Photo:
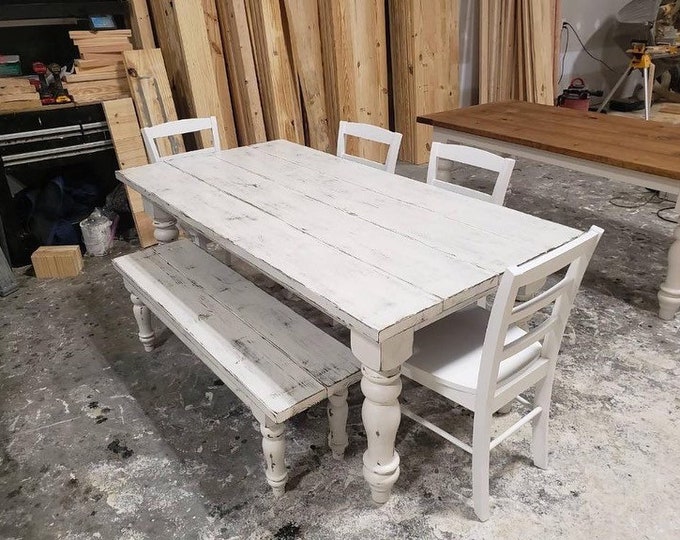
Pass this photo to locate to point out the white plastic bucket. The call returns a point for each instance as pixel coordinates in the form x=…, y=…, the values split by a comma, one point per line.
x=96, y=229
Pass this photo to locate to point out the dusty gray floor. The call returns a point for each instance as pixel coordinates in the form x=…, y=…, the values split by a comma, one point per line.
x=100, y=440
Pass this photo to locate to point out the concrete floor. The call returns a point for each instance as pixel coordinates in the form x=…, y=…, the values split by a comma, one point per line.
x=100, y=440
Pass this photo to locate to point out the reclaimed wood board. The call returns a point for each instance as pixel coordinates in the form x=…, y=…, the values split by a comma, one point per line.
x=218, y=62
x=276, y=79
x=305, y=37
x=424, y=45
x=140, y=20
x=245, y=95
x=129, y=148
x=354, y=50
x=151, y=94
x=183, y=38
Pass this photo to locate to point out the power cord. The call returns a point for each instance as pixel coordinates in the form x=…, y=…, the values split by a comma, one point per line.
x=568, y=26
x=564, y=54
x=660, y=212
x=630, y=202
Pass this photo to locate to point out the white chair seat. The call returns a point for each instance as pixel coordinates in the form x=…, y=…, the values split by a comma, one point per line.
x=449, y=352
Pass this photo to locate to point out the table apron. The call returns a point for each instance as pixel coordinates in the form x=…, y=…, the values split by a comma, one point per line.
x=619, y=174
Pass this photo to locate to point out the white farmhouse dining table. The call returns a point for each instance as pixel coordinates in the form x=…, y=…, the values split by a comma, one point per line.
x=382, y=254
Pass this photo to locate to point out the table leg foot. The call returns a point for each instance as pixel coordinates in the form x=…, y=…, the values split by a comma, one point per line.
x=381, y=415
x=669, y=292
x=165, y=226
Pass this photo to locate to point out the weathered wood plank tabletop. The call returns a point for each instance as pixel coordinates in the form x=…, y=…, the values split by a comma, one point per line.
x=383, y=254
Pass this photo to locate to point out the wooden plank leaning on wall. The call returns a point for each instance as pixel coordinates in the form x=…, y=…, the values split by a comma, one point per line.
x=240, y=58
x=302, y=17
x=151, y=94
x=183, y=37
x=277, y=82
x=355, y=67
x=424, y=45
x=140, y=20
x=129, y=148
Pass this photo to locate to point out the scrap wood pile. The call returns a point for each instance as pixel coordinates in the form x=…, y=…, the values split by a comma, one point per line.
x=293, y=69
x=518, y=50
x=100, y=74
x=17, y=93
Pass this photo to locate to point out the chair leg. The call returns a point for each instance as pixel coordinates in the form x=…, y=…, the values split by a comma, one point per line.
x=539, y=439
x=143, y=316
x=337, y=422
x=274, y=449
x=481, y=448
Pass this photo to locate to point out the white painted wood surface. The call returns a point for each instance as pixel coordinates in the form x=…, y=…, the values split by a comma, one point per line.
x=378, y=252
x=371, y=133
x=277, y=362
x=179, y=127
x=474, y=157
x=483, y=361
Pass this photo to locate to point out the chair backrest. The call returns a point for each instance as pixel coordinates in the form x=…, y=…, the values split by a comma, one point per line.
x=475, y=158
x=371, y=133
x=179, y=127
x=558, y=299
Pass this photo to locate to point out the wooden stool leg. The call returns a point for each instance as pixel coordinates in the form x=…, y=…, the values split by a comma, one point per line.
x=274, y=447
x=337, y=422
x=143, y=316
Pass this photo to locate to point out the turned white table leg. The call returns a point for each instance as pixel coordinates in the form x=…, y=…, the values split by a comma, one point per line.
x=669, y=292
x=337, y=422
x=165, y=226
x=143, y=317
x=381, y=415
x=274, y=449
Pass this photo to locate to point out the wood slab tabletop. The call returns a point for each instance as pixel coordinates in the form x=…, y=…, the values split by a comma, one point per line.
x=629, y=143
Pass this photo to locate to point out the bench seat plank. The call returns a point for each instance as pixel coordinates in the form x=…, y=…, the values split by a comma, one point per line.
x=275, y=360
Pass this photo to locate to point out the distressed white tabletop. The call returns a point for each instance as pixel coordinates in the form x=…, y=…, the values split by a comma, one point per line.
x=379, y=252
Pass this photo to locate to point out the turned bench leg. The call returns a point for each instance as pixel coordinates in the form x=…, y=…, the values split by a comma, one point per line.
x=143, y=316
x=337, y=422
x=274, y=449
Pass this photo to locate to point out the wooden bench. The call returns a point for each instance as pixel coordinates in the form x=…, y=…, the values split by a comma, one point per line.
x=274, y=360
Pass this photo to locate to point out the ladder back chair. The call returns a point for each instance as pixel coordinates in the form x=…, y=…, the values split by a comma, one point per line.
x=475, y=158
x=370, y=133
x=179, y=127
x=483, y=361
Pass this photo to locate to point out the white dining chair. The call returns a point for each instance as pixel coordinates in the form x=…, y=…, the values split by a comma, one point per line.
x=179, y=127
x=175, y=128
x=370, y=133
x=482, y=360
x=475, y=158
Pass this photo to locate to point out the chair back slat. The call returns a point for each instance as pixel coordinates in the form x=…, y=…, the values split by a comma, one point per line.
x=179, y=127
x=557, y=300
x=473, y=157
x=527, y=309
x=370, y=133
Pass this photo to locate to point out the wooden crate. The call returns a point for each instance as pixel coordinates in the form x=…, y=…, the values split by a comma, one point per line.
x=57, y=261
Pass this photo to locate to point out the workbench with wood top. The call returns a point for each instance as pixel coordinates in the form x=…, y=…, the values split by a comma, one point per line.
x=628, y=150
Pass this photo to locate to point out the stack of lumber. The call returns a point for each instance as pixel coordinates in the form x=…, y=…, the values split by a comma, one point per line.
x=100, y=73
x=518, y=50
x=17, y=93
x=293, y=69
